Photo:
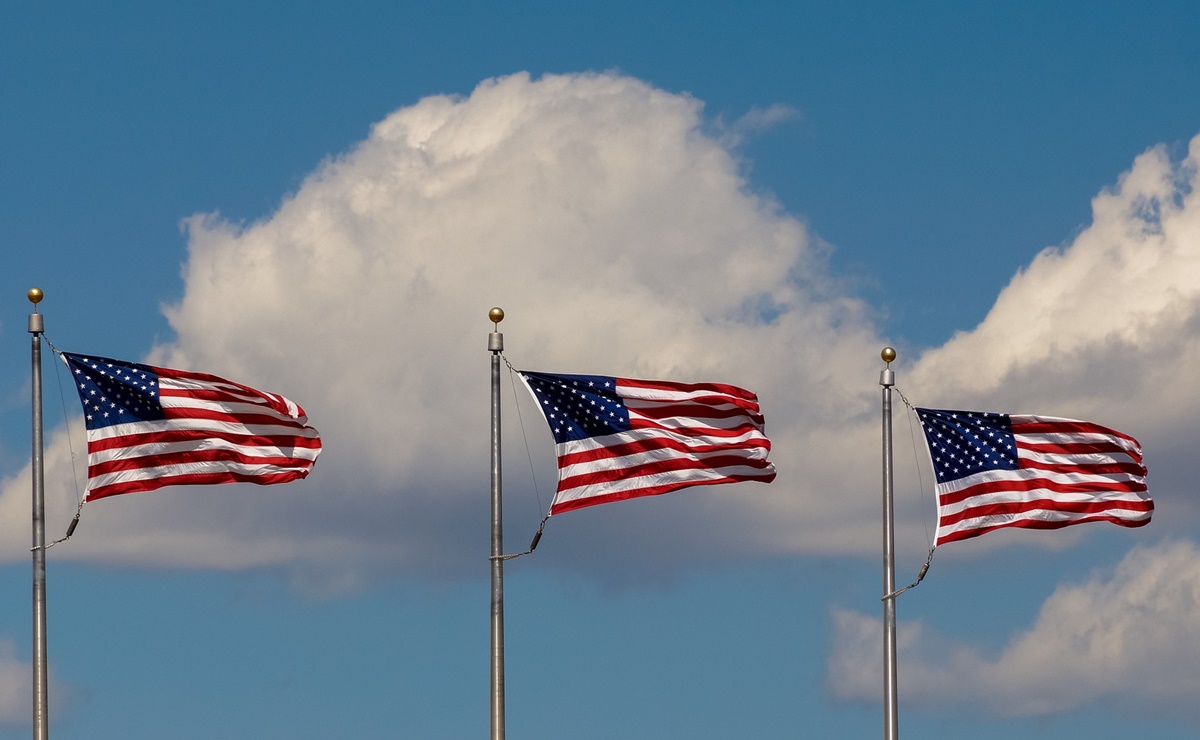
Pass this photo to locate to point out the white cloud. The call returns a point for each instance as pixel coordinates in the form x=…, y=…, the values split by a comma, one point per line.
x=620, y=238
x=1117, y=309
x=15, y=686
x=1128, y=638
x=755, y=121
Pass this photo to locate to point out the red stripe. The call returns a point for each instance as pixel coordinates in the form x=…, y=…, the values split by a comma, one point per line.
x=715, y=462
x=660, y=385
x=706, y=407
x=691, y=411
x=199, y=436
x=1050, y=506
x=1038, y=524
x=1064, y=426
x=169, y=372
x=580, y=503
x=245, y=418
x=197, y=479
x=1039, y=484
x=682, y=431
x=191, y=456
x=213, y=395
x=270, y=399
x=1105, y=468
x=1079, y=448
x=658, y=443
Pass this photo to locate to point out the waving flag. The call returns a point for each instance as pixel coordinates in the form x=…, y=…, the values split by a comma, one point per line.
x=149, y=427
x=618, y=438
x=1039, y=472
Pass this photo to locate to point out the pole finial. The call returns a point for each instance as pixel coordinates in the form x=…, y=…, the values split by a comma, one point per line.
x=37, y=324
x=496, y=339
x=887, y=377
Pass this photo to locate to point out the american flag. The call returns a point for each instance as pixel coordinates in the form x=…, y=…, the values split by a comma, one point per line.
x=618, y=438
x=1038, y=472
x=149, y=427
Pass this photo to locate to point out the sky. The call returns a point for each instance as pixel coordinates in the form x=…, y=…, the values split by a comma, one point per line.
x=325, y=200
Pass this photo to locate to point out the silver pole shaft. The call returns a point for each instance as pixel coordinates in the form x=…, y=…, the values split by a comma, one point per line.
x=496, y=345
x=891, y=730
x=41, y=716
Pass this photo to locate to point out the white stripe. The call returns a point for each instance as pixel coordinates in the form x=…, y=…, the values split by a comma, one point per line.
x=252, y=401
x=701, y=409
x=294, y=410
x=1011, y=476
x=634, y=435
x=204, y=425
x=1079, y=458
x=657, y=479
x=165, y=448
x=1009, y=497
x=635, y=393
x=194, y=468
x=1067, y=438
x=196, y=384
x=1045, y=515
x=227, y=407
x=648, y=456
x=694, y=422
x=715, y=401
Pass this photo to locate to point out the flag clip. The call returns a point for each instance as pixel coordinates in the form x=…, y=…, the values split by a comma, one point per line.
x=920, y=577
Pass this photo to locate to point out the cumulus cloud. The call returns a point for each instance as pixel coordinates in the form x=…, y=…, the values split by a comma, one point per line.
x=1128, y=638
x=15, y=686
x=621, y=238
x=1118, y=307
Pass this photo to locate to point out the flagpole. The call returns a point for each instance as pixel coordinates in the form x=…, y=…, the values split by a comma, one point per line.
x=496, y=346
x=891, y=730
x=41, y=718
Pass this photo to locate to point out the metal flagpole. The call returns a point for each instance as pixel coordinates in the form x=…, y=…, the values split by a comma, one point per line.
x=891, y=731
x=496, y=346
x=41, y=718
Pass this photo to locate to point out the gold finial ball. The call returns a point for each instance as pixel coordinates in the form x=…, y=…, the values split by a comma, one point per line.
x=34, y=295
x=496, y=315
x=888, y=355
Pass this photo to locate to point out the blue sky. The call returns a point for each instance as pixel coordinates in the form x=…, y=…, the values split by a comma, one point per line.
x=324, y=201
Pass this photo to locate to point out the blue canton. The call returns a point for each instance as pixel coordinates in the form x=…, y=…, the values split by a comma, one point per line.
x=114, y=392
x=963, y=443
x=579, y=406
